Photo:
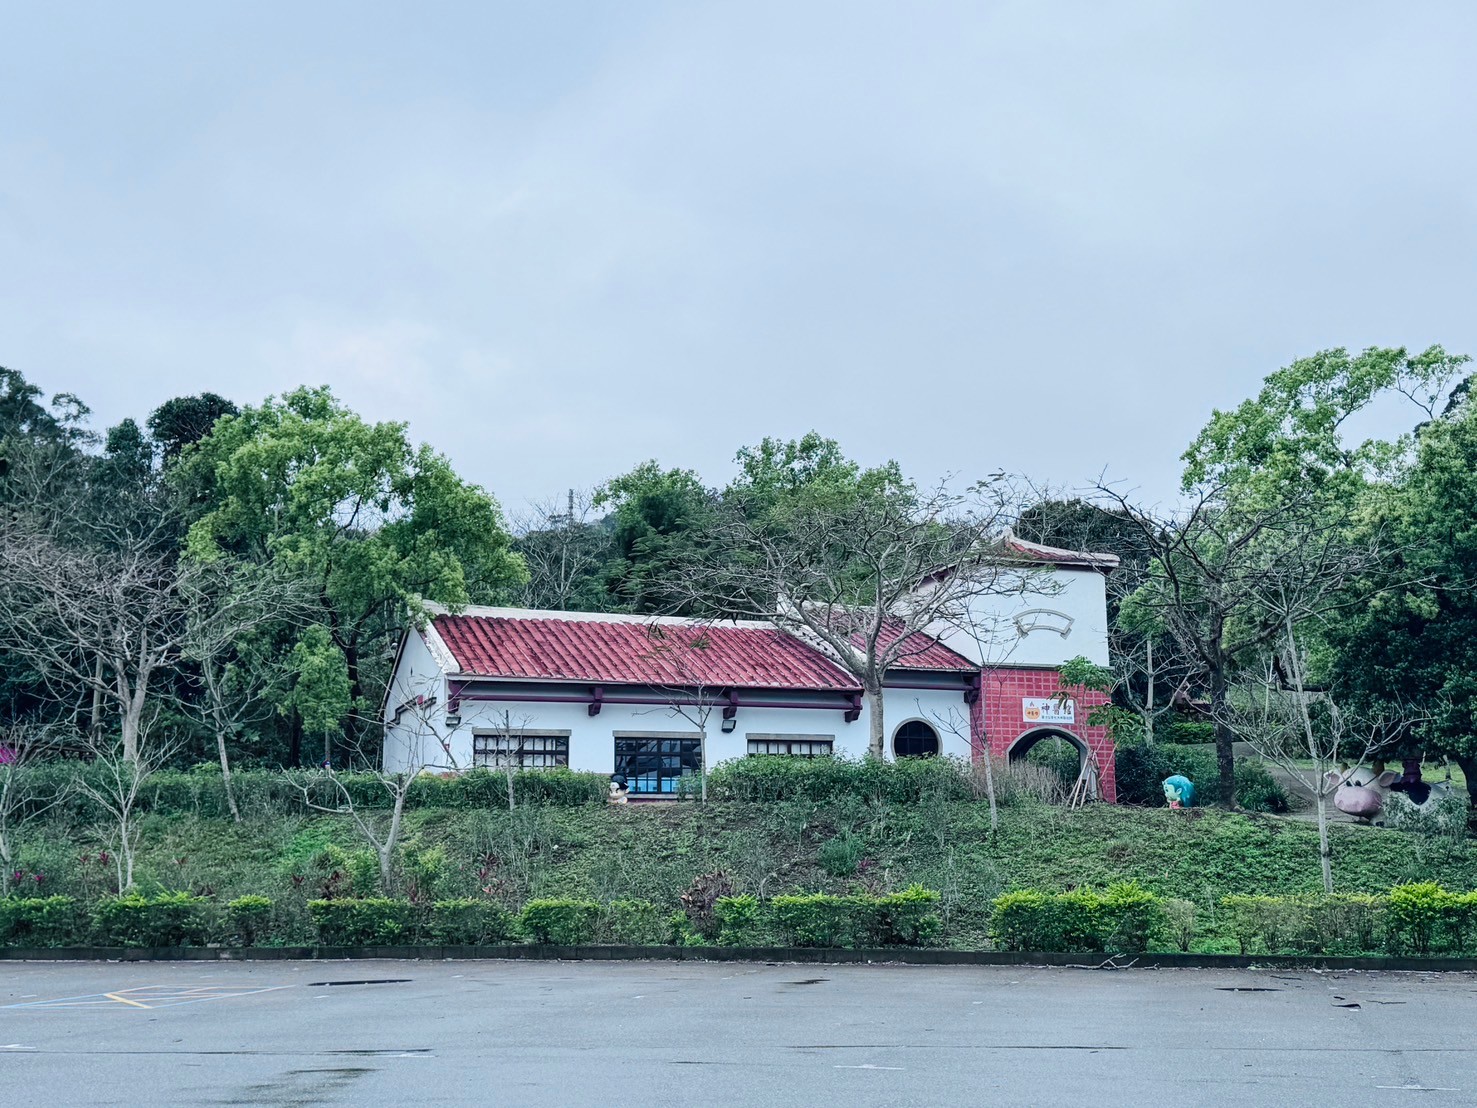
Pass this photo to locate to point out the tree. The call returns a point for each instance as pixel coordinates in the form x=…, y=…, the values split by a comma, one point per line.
x=688, y=694
x=105, y=621
x=567, y=552
x=1216, y=565
x=22, y=746
x=1409, y=633
x=663, y=521
x=865, y=577
x=322, y=692
x=229, y=607
x=186, y=420
x=375, y=524
x=115, y=783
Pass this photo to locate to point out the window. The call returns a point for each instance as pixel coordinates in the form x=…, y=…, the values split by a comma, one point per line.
x=796, y=746
x=915, y=739
x=653, y=764
x=520, y=749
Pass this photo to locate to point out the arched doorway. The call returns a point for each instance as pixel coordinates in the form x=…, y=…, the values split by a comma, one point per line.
x=915, y=739
x=1024, y=744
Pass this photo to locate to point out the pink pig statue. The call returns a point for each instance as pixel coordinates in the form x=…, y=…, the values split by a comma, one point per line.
x=1361, y=791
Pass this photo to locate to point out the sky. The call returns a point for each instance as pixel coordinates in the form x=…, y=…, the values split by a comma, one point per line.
x=558, y=239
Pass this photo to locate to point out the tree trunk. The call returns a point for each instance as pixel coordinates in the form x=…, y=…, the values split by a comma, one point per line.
x=95, y=724
x=1468, y=765
x=295, y=741
x=220, y=747
x=1325, y=857
x=1225, y=756
x=133, y=715
x=990, y=790
x=877, y=741
x=1149, y=694
x=392, y=839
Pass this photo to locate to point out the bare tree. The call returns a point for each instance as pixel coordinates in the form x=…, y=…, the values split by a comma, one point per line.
x=1276, y=717
x=1224, y=573
x=226, y=605
x=22, y=746
x=564, y=547
x=864, y=577
x=108, y=621
x=689, y=695
x=512, y=732
x=115, y=782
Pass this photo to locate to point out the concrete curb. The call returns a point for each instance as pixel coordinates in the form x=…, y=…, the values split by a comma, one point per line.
x=902, y=955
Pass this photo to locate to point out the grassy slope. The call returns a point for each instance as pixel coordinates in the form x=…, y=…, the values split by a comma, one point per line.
x=654, y=852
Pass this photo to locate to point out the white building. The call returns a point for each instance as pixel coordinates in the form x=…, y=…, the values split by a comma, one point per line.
x=633, y=696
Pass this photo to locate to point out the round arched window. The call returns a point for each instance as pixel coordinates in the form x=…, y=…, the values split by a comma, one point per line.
x=915, y=739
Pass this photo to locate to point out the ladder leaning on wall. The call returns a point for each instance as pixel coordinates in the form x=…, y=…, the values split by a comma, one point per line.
x=1085, y=788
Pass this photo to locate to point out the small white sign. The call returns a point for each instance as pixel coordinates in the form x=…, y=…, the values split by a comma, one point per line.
x=1048, y=709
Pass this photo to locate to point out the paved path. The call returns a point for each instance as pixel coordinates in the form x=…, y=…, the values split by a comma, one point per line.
x=655, y=1034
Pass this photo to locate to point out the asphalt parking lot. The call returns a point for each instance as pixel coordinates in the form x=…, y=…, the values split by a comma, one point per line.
x=542, y=1033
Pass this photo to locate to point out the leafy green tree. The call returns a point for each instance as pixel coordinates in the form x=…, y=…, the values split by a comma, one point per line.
x=663, y=520
x=185, y=420
x=374, y=524
x=322, y=693
x=1409, y=639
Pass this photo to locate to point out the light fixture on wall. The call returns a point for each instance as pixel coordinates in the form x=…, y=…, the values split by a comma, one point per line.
x=729, y=725
x=453, y=719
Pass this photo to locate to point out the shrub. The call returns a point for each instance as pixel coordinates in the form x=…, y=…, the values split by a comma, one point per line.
x=634, y=923
x=560, y=922
x=40, y=921
x=817, y=919
x=1130, y=918
x=740, y=921
x=908, y=918
x=169, y=919
x=841, y=855
x=251, y=917
x=467, y=922
x=1417, y=912
x=1274, y=921
x=1343, y=923
x=371, y=921
x=1179, y=917
x=1018, y=920
x=1186, y=733
x=774, y=778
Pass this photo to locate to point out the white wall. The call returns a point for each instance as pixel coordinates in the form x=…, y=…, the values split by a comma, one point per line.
x=1074, y=599
x=415, y=742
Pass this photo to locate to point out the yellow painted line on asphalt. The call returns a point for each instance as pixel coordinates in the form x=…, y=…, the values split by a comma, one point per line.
x=124, y=1000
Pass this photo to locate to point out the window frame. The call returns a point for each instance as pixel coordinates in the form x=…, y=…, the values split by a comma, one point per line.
x=549, y=748
x=790, y=741
x=938, y=740
x=688, y=754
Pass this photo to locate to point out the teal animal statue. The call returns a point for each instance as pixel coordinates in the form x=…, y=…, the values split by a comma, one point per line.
x=1179, y=791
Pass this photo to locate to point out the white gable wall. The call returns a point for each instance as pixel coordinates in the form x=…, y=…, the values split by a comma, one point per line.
x=1057, y=598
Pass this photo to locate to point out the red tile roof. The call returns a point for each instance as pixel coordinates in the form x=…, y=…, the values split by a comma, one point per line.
x=920, y=651
x=564, y=647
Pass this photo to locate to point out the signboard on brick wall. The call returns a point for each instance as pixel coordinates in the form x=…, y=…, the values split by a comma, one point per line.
x=1048, y=709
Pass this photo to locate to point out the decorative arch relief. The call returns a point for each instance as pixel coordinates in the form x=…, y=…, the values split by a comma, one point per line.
x=1043, y=619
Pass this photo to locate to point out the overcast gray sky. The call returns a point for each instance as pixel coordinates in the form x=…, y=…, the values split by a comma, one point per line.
x=561, y=238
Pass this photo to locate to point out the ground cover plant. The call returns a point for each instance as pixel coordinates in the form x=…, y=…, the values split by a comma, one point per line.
x=731, y=869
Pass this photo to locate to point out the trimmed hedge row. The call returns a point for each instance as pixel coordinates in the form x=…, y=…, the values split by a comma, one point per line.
x=776, y=777
x=1419, y=918
x=178, y=919
x=201, y=792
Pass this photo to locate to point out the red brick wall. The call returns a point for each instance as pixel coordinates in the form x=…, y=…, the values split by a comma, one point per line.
x=998, y=719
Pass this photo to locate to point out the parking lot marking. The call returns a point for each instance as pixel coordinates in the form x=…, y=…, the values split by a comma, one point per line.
x=151, y=996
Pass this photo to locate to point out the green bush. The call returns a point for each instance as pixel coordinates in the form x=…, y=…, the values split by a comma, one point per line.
x=1179, y=917
x=371, y=921
x=908, y=918
x=740, y=921
x=1417, y=913
x=841, y=855
x=169, y=919
x=1186, y=733
x=468, y=922
x=1141, y=771
x=560, y=922
x=768, y=778
x=818, y=919
x=634, y=923
x=1124, y=918
x=40, y=921
x=251, y=917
